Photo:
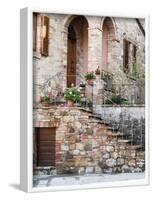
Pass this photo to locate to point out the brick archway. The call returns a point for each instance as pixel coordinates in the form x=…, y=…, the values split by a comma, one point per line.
x=108, y=37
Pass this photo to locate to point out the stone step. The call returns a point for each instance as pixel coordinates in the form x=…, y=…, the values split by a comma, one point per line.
x=140, y=153
x=95, y=121
x=113, y=128
x=124, y=141
x=86, y=110
x=94, y=116
x=133, y=147
x=115, y=134
x=104, y=131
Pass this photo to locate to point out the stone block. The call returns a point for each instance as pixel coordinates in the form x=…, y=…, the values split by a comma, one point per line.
x=71, y=138
x=76, y=152
x=114, y=155
x=95, y=143
x=109, y=148
x=98, y=170
x=106, y=155
x=125, y=169
x=67, y=119
x=72, y=146
x=80, y=162
x=81, y=171
x=140, y=163
x=77, y=125
x=89, y=170
x=82, y=153
x=108, y=170
x=117, y=170
x=132, y=163
x=137, y=170
x=64, y=147
x=120, y=161
x=111, y=162
x=79, y=146
x=89, y=131
x=88, y=147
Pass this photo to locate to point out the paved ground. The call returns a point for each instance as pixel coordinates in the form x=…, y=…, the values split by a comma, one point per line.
x=47, y=180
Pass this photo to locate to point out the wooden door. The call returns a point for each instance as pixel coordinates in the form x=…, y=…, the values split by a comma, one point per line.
x=46, y=147
x=71, y=61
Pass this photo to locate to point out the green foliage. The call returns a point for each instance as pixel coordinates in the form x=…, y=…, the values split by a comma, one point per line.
x=72, y=94
x=116, y=99
x=46, y=98
x=90, y=76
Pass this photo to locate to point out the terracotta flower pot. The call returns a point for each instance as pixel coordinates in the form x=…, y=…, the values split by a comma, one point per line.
x=70, y=103
x=90, y=82
x=45, y=104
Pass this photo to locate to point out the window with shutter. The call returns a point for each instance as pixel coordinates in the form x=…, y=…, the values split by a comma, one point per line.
x=44, y=41
x=129, y=55
x=126, y=56
x=35, y=31
x=134, y=49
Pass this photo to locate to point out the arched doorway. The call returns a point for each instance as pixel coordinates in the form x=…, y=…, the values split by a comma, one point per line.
x=71, y=58
x=77, y=50
x=108, y=35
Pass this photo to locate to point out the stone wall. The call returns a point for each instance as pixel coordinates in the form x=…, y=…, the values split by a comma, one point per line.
x=114, y=112
x=85, y=145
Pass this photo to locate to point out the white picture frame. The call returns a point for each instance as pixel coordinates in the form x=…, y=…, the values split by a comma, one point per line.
x=26, y=107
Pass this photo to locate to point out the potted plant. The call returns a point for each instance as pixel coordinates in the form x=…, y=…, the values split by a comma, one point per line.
x=90, y=76
x=45, y=100
x=97, y=71
x=72, y=95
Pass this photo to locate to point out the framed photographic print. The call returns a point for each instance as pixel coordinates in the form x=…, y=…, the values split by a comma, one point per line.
x=84, y=105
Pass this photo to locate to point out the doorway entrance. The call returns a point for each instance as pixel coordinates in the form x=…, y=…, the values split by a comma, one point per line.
x=77, y=50
x=45, y=146
x=71, y=62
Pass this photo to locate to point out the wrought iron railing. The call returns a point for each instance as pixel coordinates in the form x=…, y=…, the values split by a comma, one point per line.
x=111, y=93
x=131, y=129
x=125, y=94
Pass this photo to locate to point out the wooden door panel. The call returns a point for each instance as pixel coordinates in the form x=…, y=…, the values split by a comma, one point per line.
x=71, y=70
x=47, y=143
x=46, y=147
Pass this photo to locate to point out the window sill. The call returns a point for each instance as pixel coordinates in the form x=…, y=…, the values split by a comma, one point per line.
x=36, y=55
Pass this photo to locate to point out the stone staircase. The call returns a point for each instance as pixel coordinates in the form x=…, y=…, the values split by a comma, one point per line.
x=115, y=153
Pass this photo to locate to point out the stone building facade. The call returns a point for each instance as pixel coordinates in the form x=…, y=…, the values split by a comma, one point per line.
x=67, y=46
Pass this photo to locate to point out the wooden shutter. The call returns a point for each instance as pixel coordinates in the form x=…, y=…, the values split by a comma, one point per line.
x=125, y=55
x=134, y=50
x=46, y=147
x=45, y=28
x=35, y=31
